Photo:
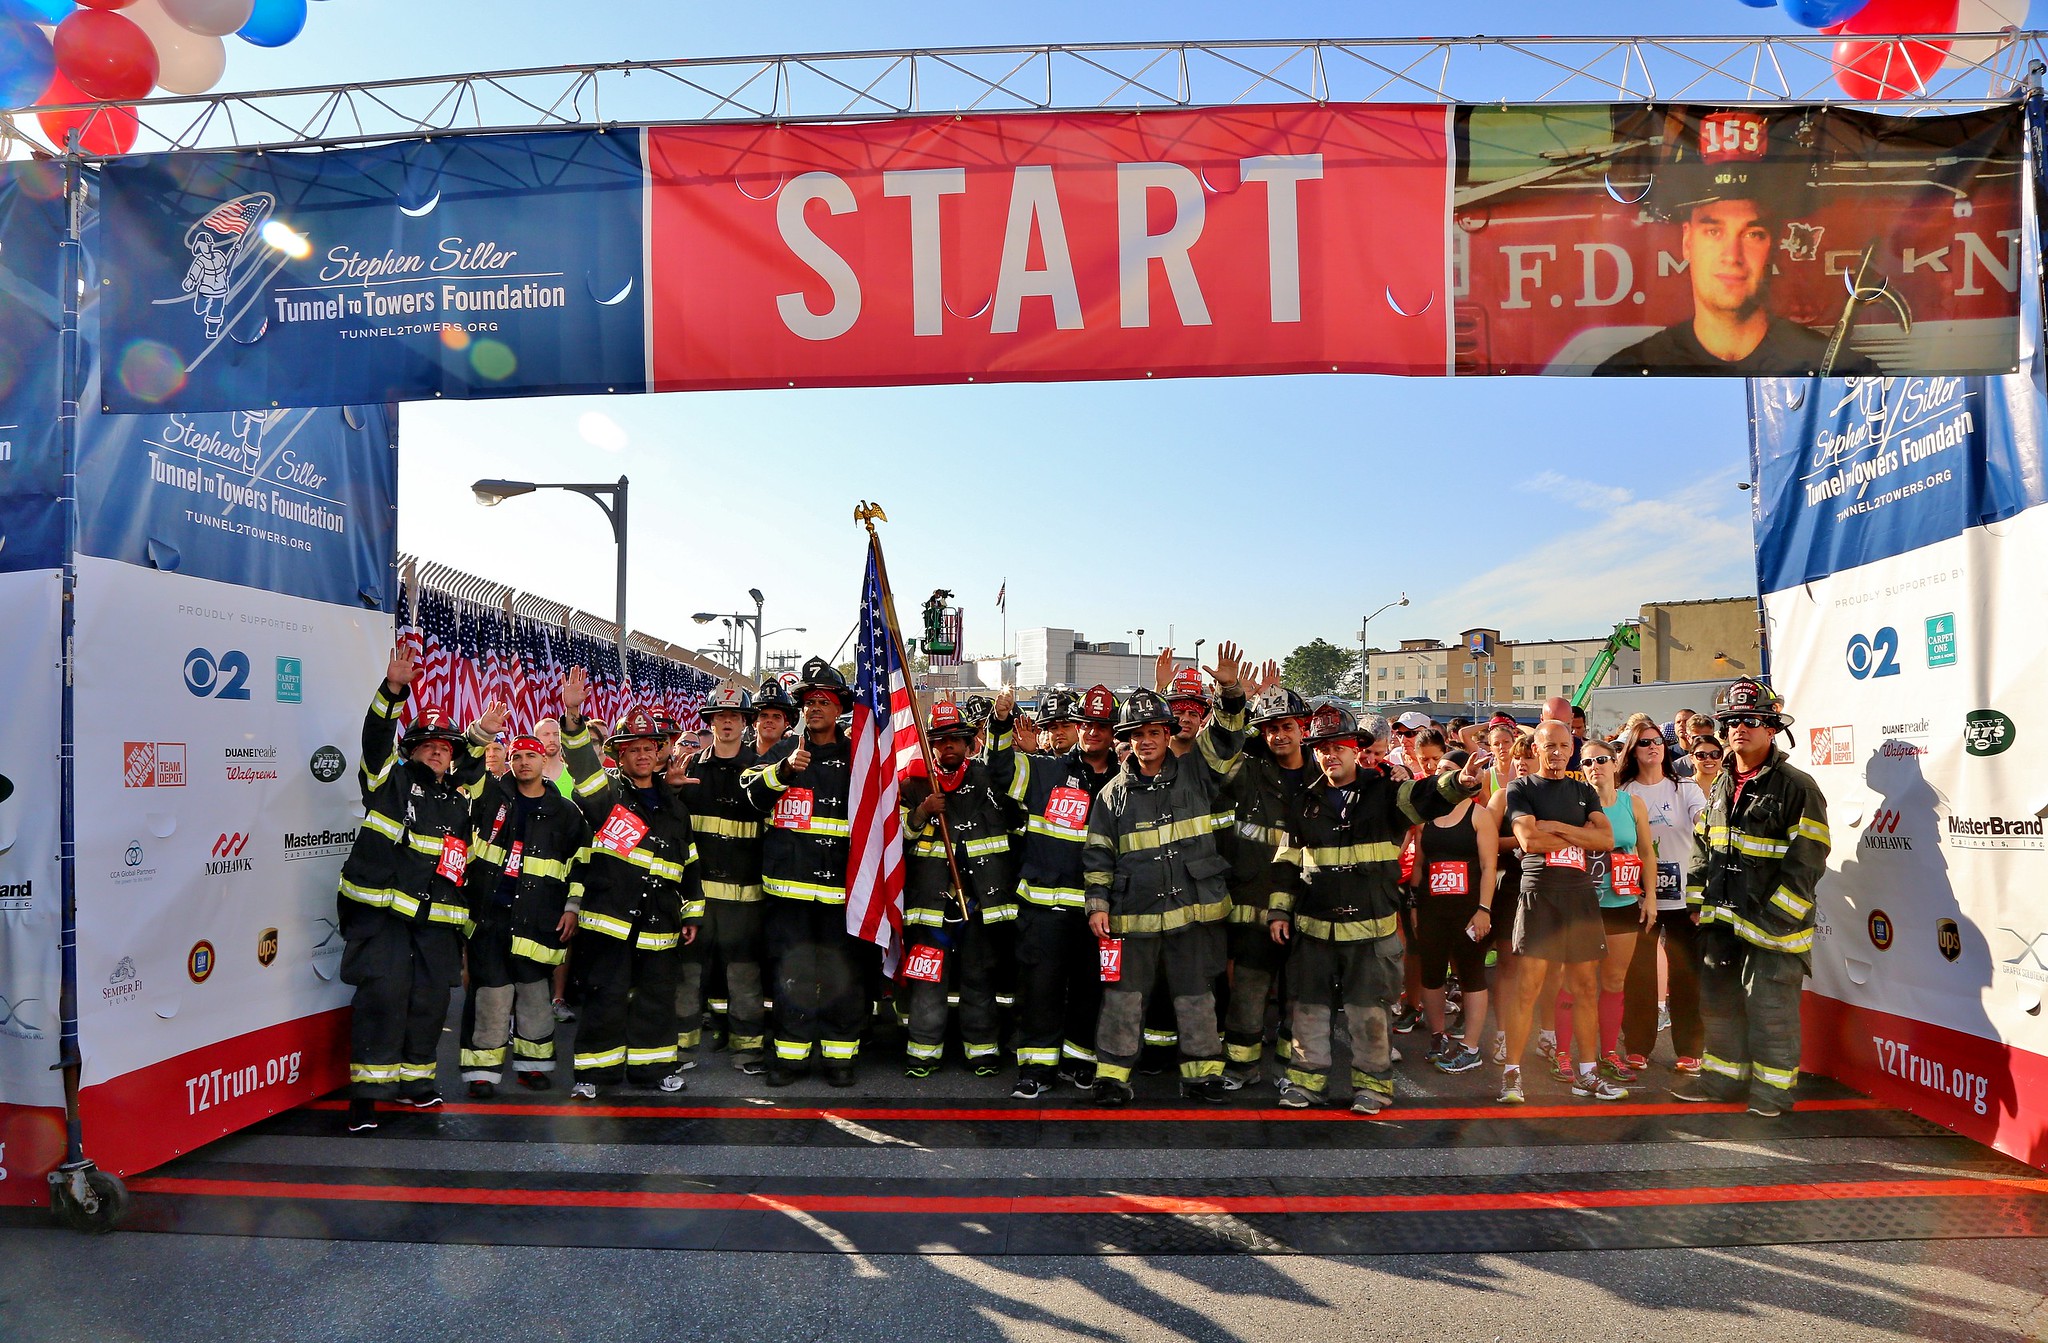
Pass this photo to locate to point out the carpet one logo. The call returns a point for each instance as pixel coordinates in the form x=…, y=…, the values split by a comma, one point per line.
x=1832, y=745
x=1988, y=732
x=317, y=844
x=249, y=764
x=153, y=764
x=228, y=858
x=1882, y=834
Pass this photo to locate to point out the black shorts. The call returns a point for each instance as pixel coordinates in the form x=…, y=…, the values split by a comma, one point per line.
x=1441, y=942
x=1621, y=918
x=1550, y=926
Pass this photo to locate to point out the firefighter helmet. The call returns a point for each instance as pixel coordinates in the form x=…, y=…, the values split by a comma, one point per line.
x=431, y=725
x=637, y=725
x=820, y=675
x=1186, y=686
x=1098, y=706
x=1334, y=722
x=727, y=698
x=1141, y=708
x=948, y=721
x=1738, y=154
x=775, y=695
x=1057, y=706
x=1277, y=702
x=978, y=709
x=1749, y=696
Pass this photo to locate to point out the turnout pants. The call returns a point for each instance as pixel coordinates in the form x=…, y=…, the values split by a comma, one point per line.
x=628, y=1027
x=819, y=995
x=1188, y=960
x=1059, y=989
x=508, y=1010
x=1366, y=977
x=969, y=974
x=1749, y=1002
x=402, y=972
x=1257, y=963
x=1681, y=941
x=730, y=938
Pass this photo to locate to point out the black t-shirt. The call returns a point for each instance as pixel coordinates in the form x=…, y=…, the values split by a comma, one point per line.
x=1787, y=347
x=1564, y=800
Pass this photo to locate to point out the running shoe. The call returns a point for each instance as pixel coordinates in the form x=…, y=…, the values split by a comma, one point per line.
x=987, y=1066
x=1767, y=1107
x=1405, y=1019
x=1210, y=1089
x=426, y=1100
x=1500, y=1046
x=535, y=1081
x=674, y=1082
x=1510, y=1087
x=750, y=1062
x=684, y=1063
x=1615, y=1069
x=1029, y=1089
x=1663, y=1017
x=1462, y=1059
x=583, y=1091
x=1546, y=1044
x=1109, y=1092
x=1076, y=1073
x=1687, y=1064
x=1294, y=1096
x=362, y=1116
x=1240, y=1076
x=1699, y=1093
x=920, y=1069
x=1366, y=1101
x=1593, y=1086
x=480, y=1090
x=1439, y=1045
x=1636, y=1062
x=1561, y=1066
x=564, y=1012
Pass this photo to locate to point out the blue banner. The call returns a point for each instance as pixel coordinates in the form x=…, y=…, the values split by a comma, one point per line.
x=462, y=267
x=31, y=465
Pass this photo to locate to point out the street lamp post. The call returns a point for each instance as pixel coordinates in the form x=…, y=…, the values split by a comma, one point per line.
x=740, y=620
x=1363, y=627
x=491, y=493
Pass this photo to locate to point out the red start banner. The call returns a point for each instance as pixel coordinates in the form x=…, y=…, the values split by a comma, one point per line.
x=1108, y=245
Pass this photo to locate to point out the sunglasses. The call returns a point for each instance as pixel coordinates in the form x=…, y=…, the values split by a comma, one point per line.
x=1746, y=720
x=1404, y=731
x=1648, y=743
x=1596, y=760
x=1706, y=755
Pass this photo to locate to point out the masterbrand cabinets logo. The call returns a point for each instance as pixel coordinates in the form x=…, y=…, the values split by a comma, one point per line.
x=249, y=764
x=17, y=896
x=152, y=764
x=1994, y=832
x=227, y=856
x=1833, y=745
x=317, y=844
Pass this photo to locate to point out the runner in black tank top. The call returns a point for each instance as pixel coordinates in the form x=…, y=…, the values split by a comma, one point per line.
x=1452, y=878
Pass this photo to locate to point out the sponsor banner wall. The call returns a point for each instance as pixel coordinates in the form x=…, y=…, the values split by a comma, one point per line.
x=1376, y=238
x=218, y=726
x=462, y=267
x=31, y=1095
x=31, y=466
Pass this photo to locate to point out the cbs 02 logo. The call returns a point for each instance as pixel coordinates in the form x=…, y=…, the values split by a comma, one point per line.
x=1874, y=654
x=223, y=677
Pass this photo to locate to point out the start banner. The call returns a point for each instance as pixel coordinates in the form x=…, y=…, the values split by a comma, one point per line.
x=1424, y=240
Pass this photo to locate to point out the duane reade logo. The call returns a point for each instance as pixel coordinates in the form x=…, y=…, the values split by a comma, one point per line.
x=1988, y=732
x=228, y=857
x=329, y=764
x=249, y=764
x=124, y=984
x=317, y=844
x=1994, y=832
x=1904, y=740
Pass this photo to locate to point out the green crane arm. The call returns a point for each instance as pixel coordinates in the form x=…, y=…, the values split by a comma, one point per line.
x=1625, y=635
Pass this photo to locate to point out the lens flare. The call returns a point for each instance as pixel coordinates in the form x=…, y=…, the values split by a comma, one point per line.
x=454, y=337
x=493, y=359
x=151, y=371
x=281, y=236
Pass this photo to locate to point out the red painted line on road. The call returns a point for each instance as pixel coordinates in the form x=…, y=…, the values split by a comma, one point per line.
x=1090, y=1114
x=1108, y=1204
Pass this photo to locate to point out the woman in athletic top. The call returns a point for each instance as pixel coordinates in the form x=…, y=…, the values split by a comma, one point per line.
x=1626, y=907
x=1456, y=875
x=1514, y=754
x=1674, y=806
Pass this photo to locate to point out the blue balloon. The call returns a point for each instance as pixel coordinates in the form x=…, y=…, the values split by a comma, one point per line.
x=26, y=63
x=1820, y=13
x=36, y=11
x=1761, y=4
x=273, y=23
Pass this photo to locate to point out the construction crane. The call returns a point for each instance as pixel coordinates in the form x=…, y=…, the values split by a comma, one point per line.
x=1627, y=634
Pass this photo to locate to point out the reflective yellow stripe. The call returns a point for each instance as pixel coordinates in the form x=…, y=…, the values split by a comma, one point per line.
x=1759, y=846
x=998, y=914
x=384, y=706
x=609, y=1058
x=803, y=890
x=793, y=1051
x=416, y=1072
x=1261, y=834
x=991, y=844
x=440, y=913
x=430, y=845
x=1214, y=912
x=379, y=898
x=375, y=781
x=693, y=909
x=1784, y=899
x=484, y=1058
x=1350, y=930
x=831, y=826
x=384, y=825
x=639, y=1058
x=1038, y=825
x=839, y=1049
x=1045, y=1057
x=1721, y=1067
x=593, y=785
x=1173, y=832
x=528, y=949
x=645, y=861
x=763, y=774
x=731, y=890
x=1054, y=897
x=720, y=825
x=1289, y=854
x=1808, y=828
x=1795, y=944
x=404, y=905
x=604, y=923
x=534, y=1049
x=1782, y=1078
x=1349, y=855
x=920, y=917
x=373, y=1072
x=1020, y=776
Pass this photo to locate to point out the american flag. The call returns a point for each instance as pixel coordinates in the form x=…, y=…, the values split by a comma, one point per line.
x=885, y=741
x=234, y=217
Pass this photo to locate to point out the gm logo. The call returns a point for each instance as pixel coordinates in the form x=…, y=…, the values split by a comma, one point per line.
x=224, y=677
x=1874, y=655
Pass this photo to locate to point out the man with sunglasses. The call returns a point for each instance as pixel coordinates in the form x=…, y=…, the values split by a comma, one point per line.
x=1757, y=855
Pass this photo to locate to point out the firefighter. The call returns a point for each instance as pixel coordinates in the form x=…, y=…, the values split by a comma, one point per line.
x=1156, y=892
x=401, y=904
x=728, y=832
x=803, y=787
x=1059, y=726
x=1264, y=787
x=1758, y=852
x=524, y=839
x=1188, y=702
x=1059, y=979
x=1338, y=900
x=636, y=894
x=957, y=936
x=774, y=715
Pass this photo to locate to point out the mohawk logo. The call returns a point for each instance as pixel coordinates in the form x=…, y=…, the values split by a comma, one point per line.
x=1883, y=833
x=227, y=856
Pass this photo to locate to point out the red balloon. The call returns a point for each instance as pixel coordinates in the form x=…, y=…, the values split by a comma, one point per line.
x=105, y=55
x=106, y=4
x=104, y=130
x=1886, y=70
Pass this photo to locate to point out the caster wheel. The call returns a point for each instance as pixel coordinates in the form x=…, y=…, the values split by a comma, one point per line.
x=100, y=1211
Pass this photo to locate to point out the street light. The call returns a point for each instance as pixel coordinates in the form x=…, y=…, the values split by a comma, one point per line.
x=742, y=618
x=1141, y=640
x=1363, y=626
x=491, y=493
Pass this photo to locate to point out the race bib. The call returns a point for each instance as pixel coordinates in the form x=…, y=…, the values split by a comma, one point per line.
x=793, y=812
x=1409, y=851
x=1574, y=858
x=621, y=832
x=1067, y=808
x=514, y=859
x=927, y=965
x=1667, y=881
x=1112, y=954
x=1625, y=874
x=454, y=858
x=1454, y=878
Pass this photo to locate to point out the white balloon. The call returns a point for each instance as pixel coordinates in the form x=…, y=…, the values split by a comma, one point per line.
x=209, y=18
x=1984, y=16
x=187, y=62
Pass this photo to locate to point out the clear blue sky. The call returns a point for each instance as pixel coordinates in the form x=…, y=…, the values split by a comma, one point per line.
x=1271, y=510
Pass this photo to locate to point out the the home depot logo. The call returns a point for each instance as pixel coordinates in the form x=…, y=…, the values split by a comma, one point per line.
x=153, y=764
x=1833, y=745
x=227, y=856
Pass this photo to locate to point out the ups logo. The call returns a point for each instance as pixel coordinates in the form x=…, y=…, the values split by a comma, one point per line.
x=1949, y=938
x=266, y=946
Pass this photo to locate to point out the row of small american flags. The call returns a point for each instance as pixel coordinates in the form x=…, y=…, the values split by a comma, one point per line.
x=471, y=654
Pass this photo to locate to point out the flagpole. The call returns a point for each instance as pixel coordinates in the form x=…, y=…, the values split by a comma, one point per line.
x=866, y=514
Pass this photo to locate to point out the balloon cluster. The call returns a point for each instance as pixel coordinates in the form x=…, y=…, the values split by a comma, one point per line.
x=54, y=52
x=1871, y=70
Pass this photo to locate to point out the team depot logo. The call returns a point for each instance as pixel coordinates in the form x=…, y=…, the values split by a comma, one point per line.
x=227, y=857
x=1882, y=834
x=153, y=764
x=1832, y=745
x=233, y=257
